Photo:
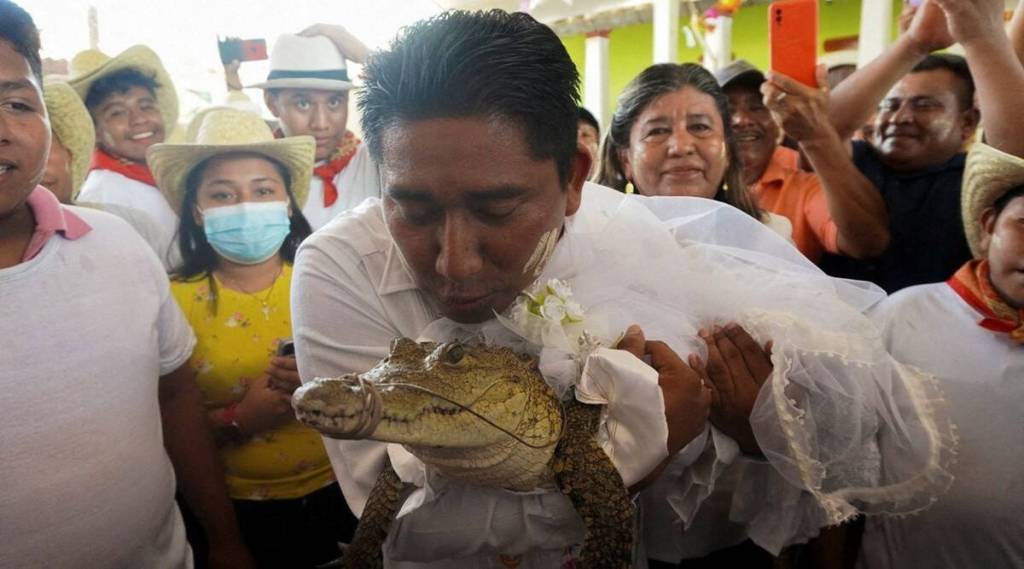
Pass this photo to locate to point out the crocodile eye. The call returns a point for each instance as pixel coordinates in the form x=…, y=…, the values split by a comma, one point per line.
x=454, y=354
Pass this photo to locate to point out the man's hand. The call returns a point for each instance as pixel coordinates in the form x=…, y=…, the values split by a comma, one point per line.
x=687, y=398
x=972, y=20
x=737, y=368
x=349, y=45
x=284, y=374
x=801, y=111
x=263, y=408
x=928, y=30
x=232, y=79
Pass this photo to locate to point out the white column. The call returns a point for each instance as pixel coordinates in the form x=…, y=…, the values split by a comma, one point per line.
x=595, y=76
x=875, y=27
x=718, y=51
x=666, y=31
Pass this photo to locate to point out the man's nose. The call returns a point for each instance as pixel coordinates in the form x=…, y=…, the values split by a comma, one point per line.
x=319, y=119
x=459, y=256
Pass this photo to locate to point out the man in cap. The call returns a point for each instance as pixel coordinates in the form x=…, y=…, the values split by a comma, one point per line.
x=133, y=105
x=835, y=210
x=102, y=417
x=926, y=117
x=969, y=333
x=307, y=90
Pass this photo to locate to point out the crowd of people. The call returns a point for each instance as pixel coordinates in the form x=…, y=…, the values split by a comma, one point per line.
x=804, y=305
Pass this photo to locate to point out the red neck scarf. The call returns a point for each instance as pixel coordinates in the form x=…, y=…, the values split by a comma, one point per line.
x=972, y=283
x=339, y=160
x=131, y=170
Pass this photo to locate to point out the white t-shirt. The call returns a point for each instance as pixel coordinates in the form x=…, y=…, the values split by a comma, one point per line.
x=88, y=327
x=979, y=523
x=358, y=181
x=106, y=186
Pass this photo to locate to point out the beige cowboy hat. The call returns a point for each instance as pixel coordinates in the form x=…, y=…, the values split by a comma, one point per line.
x=300, y=62
x=223, y=131
x=988, y=175
x=72, y=125
x=88, y=66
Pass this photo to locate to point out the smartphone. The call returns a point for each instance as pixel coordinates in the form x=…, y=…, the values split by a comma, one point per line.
x=234, y=49
x=286, y=347
x=793, y=37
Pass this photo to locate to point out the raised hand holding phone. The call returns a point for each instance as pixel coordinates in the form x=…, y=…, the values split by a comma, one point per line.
x=793, y=37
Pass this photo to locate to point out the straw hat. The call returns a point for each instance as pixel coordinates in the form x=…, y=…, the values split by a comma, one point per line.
x=72, y=124
x=228, y=130
x=90, y=65
x=988, y=175
x=299, y=62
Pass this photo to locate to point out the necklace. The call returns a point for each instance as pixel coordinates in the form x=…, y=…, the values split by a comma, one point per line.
x=264, y=300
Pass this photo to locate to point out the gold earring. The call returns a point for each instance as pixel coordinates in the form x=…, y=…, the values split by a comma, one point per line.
x=629, y=189
x=725, y=186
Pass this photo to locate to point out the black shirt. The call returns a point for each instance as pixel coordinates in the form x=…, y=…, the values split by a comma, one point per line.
x=928, y=243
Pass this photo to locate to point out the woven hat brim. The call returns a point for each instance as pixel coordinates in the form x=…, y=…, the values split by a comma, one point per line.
x=172, y=163
x=72, y=124
x=308, y=83
x=137, y=57
x=988, y=174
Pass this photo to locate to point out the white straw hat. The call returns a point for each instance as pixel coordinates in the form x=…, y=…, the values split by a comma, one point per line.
x=988, y=175
x=299, y=62
x=223, y=131
x=90, y=65
x=72, y=124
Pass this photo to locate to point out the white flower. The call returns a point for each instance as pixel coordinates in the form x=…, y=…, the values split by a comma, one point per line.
x=573, y=311
x=553, y=309
x=560, y=289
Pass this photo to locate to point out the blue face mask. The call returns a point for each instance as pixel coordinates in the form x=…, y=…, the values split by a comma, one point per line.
x=247, y=233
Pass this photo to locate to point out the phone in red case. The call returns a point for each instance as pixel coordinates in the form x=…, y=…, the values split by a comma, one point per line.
x=793, y=37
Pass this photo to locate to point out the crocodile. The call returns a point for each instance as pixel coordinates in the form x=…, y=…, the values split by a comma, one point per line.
x=478, y=414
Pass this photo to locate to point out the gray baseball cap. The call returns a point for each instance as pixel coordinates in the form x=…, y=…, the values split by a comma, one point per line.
x=739, y=72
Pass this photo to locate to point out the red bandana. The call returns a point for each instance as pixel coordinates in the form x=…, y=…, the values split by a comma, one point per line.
x=337, y=163
x=328, y=170
x=971, y=282
x=131, y=170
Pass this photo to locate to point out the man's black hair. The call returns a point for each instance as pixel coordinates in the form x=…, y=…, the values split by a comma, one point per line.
x=477, y=64
x=119, y=81
x=18, y=29
x=1004, y=200
x=589, y=118
x=958, y=67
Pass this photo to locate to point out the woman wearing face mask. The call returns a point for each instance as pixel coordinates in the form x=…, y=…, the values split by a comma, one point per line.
x=238, y=193
x=671, y=136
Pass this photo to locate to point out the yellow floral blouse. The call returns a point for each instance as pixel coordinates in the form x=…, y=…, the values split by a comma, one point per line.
x=234, y=346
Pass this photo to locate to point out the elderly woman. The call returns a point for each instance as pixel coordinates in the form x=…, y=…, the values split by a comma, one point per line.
x=238, y=193
x=671, y=136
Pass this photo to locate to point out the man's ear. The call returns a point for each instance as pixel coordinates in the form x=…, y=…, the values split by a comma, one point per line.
x=578, y=171
x=270, y=99
x=971, y=118
x=988, y=227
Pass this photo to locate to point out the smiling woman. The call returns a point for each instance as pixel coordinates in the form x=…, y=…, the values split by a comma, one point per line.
x=671, y=135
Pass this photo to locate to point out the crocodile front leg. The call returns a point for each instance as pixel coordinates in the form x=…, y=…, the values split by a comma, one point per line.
x=585, y=473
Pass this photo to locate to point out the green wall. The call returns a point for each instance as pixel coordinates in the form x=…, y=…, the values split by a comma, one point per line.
x=630, y=48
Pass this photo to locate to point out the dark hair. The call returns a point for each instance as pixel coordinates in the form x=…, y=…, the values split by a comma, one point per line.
x=1004, y=200
x=589, y=118
x=198, y=259
x=119, y=81
x=18, y=29
x=476, y=64
x=653, y=82
x=958, y=67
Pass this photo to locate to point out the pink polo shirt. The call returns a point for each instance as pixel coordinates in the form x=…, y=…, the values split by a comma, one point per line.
x=51, y=218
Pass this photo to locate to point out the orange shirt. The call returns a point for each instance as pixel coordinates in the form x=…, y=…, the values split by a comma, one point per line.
x=786, y=190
